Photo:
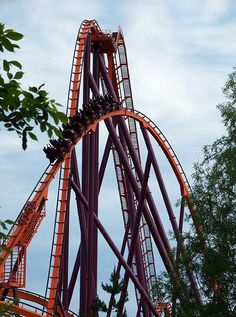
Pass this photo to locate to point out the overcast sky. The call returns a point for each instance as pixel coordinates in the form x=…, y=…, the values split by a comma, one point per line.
x=179, y=53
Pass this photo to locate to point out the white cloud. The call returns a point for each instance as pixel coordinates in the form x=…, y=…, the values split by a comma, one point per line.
x=179, y=54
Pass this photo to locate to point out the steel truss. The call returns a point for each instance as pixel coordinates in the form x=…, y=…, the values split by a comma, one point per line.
x=100, y=66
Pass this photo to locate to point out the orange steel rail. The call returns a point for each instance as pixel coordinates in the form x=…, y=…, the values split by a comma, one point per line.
x=33, y=212
x=19, y=230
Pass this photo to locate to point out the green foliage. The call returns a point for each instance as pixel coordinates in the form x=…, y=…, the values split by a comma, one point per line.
x=114, y=288
x=7, y=310
x=23, y=109
x=214, y=195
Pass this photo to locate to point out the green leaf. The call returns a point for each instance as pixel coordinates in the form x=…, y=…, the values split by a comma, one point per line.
x=33, y=136
x=9, y=75
x=62, y=117
x=6, y=65
x=15, y=36
x=9, y=221
x=43, y=126
x=42, y=93
x=33, y=89
x=58, y=133
x=7, y=45
x=28, y=95
x=49, y=132
x=3, y=225
x=17, y=64
x=18, y=75
x=24, y=139
x=2, y=27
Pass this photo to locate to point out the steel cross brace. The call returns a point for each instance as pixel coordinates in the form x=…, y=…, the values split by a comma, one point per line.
x=138, y=168
x=170, y=211
x=117, y=253
x=135, y=229
x=153, y=228
x=134, y=249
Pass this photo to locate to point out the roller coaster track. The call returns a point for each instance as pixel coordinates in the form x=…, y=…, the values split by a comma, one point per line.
x=106, y=72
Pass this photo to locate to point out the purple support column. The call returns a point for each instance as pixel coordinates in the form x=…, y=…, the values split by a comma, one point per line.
x=150, y=200
x=181, y=214
x=118, y=254
x=161, y=183
x=170, y=213
x=135, y=250
x=124, y=244
x=153, y=229
x=135, y=234
x=106, y=77
x=96, y=163
x=85, y=180
x=90, y=277
x=105, y=157
x=93, y=84
x=74, y=276
x=75, y=183
x=125, y=266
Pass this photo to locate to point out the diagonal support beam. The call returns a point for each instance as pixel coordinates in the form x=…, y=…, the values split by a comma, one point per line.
x=153, y=228
x=138, y=168
x=135, y=230
x=118, y=254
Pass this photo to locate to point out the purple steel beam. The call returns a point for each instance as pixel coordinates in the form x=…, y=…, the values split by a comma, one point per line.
x=93, y=84
x=74, y=275
x=170, y=211
x=85, y=189
x=181, y=215
x=117, y=252
x=135, y=230
x=91, y=292
x=104, y=160
x=80, y=207
x=85, y=180
x=58, y=301
x=96, y=78
x=81, y=262
x=138, y=168
x=106, y=77
x=124, y=243
x=125, y=266
x=154, y=230
x=161, y=184
x=139, y=310
x=105, y=157
x=135, y=249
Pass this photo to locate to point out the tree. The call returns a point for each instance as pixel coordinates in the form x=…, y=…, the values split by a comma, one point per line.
x=214, y=196
x=23, y=109
x=114, y=288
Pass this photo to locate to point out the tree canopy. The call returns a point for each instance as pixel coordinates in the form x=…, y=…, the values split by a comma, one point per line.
x=21, y=110
x=214, y=196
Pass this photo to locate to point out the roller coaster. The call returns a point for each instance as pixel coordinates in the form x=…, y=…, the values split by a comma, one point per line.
x=100, y=107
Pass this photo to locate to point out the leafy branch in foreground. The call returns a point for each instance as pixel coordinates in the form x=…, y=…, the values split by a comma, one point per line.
x=23, y=109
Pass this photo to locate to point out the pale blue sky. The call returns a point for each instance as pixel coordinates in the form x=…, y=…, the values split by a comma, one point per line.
x=180, y=53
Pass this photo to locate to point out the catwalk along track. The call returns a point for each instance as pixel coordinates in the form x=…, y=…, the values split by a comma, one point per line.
x=103, y=130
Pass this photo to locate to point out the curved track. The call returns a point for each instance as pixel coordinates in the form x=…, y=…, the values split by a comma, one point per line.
x=100, y=66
